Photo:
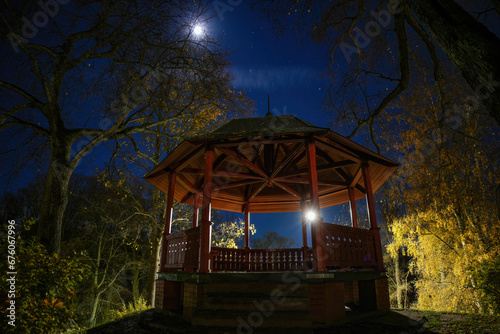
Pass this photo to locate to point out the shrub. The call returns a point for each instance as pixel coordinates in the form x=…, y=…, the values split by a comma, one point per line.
x=44, y=287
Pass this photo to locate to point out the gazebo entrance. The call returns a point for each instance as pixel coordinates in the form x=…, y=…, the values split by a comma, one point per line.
x=272, y=164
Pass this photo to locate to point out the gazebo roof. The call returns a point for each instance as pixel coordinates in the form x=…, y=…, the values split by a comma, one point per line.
x=262, y=162
x=259, y=126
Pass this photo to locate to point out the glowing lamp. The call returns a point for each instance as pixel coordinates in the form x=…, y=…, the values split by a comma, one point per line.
x=311, y=215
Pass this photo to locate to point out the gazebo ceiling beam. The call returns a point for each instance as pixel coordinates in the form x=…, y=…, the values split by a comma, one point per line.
x=284, y=163
x=306, y=181
x=320, y=168
x=221, y=173
x=339, y=171
x=235, y=184
x=187, y=159
x=294, y=162
x=356, y=177
x=229, y=200
x=325, y=146
x=288, y=189
x=269, y=158
x=257, y=191
x=198, y=186
x=243, y=160
x=257, y=159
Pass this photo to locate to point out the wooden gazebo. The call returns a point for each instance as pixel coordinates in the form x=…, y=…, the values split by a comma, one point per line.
x=271, y=164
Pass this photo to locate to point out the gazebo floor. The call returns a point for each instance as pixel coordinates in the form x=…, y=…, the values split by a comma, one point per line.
x=246, y=301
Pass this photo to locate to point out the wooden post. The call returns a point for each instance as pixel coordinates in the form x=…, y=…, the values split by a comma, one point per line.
x=247, y=236
x=372, y=215
x=305, y=253
x=206, y=224
x=247, y=226
x=352, y=205
x=303, y=208
x=369, y=196
x=168, y=218
x=318, y=251
x=196, y=199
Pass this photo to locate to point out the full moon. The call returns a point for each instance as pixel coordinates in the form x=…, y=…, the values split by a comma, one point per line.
x=198, y=30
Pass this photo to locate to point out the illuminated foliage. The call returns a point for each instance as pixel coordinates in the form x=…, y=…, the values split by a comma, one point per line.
x=46, y=286
x=448, y=222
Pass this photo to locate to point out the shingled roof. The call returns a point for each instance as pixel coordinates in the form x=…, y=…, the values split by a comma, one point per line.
x=261, y=126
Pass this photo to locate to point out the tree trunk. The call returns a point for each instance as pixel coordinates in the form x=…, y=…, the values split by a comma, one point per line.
x=155, y=245
x=399, y=279
x=471, y=46
x=55, y=200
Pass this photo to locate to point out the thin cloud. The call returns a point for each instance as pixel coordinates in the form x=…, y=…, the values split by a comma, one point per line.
x=273, y=78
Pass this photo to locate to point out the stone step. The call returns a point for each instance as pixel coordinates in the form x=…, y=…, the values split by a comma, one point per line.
x=252, y=303
x=241, y=321
x=245, y=289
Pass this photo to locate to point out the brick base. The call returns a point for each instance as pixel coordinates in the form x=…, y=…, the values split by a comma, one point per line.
x=320, y=302
x=327, y=302
x=351, y=293
x=192, y=295
x=382, y=292
x=168, y=295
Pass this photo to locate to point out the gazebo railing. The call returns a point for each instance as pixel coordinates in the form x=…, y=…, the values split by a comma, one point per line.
x=182, y=250
x=255, y=260
x=346, y=248
x=349, y=247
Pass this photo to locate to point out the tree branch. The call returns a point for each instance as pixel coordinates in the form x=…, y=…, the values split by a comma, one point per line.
x=399, y=27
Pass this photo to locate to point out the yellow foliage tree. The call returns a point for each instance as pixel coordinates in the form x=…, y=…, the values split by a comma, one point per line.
x=450, y=223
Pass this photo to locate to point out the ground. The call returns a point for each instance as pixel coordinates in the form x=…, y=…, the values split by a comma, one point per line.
x=392, y=322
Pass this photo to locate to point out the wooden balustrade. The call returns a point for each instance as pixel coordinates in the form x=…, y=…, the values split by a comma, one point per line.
x=232, y=259
x=182, y=250
x=348, y=247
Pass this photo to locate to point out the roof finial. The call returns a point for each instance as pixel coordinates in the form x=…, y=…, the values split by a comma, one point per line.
x=268, y=107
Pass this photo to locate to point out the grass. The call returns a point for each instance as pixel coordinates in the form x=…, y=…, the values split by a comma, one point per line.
x=395, y=321
x=462, y=323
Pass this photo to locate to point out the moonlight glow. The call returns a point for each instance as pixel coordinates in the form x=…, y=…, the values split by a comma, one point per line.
x=198, y=30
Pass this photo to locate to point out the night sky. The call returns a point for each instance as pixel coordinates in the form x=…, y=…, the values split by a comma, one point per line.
x=288, y=68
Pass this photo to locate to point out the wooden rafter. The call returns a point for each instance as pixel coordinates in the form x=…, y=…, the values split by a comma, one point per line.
x=288, y=189
x=356, y=177
x=322, y=145
x=284, y=163
x=257, y=159
x=257, y=191
x=306, y=181
x=236, y=184
x=294, y=162
x=320, y=168
x=188, y=158
x=244, y=161
x=221, y=173
x=339, y=171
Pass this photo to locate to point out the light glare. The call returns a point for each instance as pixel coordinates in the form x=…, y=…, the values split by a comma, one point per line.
x=311, y=215
x=198, y=30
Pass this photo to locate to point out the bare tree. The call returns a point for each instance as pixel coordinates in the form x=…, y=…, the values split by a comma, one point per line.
x=272, y=240
x=377, y=48
x=81, y=73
